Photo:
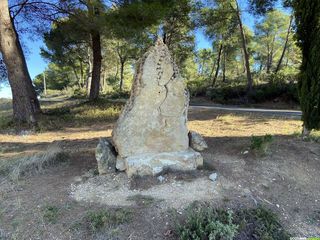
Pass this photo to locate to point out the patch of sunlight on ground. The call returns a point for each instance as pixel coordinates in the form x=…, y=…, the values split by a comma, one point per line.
x=231, y=125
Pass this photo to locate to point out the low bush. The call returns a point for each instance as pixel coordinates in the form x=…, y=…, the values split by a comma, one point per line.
x=197, y=88
x=274, y=87
x=261, y=144
x=107, y=218
x=207, y=223
x=50, y=213
x=202, y=222
x=5, y=122
x=259, y=223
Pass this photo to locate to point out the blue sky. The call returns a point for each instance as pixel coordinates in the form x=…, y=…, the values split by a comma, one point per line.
x=37, y=65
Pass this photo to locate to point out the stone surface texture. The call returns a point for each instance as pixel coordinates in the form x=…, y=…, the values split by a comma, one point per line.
x=213, y=176
x=151, y=133
x=197, y=142
x=105, y=156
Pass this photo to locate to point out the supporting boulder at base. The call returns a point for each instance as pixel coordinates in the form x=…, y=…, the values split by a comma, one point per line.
x=105, y=156
x=151, y=133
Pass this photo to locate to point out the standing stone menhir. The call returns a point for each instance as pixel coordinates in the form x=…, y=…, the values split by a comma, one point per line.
x=151, y=134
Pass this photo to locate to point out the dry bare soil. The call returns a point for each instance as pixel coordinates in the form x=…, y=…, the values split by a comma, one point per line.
x=67, y=200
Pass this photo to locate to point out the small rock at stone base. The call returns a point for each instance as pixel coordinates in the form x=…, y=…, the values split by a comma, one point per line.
x=196, y=141
x=161, y=178
x=77, y=179
x=105, y=156
x=213, y=177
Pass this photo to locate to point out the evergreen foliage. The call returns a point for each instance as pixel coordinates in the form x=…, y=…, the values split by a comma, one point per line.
x=307, y=13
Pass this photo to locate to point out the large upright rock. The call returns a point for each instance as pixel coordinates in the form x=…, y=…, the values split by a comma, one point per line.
x=151, y=133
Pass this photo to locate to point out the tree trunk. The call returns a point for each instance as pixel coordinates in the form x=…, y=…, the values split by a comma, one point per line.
x=224, y=66
x=117, y=71
x=285, y=45
x=218, y=66
x=271, y=55
x=96, y=68
x=81, y=74
x=89, y=72
x=268, y=60
x=212, y=70
x=245, y=51
x=44, y=84
x=305, y=132
x=122, y=62
x=24, y=98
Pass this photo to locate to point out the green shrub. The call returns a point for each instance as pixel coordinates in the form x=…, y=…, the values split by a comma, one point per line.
x=50, y=213
x=79, y=93
x=202, y=222
x=197, y=88
x=261, y=144
x=260, y=223
x=207, y=223
x=108, y=218
x=5, y=122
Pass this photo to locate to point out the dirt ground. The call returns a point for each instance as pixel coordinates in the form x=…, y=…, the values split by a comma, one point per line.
x=285, y=180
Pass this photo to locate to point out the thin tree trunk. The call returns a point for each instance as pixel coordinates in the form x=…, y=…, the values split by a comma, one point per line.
x=117, y=71
x=271, y=55
x=44, y=84
x=24, y=98
x=105, y=81
x=285, y=45
x=81, y=74
x=212, y=70
x=245, y=50
x=89, y=73
x=268, y=60
x=224, y=66
x=96, y=68
x=122, y=62
x=218, y=66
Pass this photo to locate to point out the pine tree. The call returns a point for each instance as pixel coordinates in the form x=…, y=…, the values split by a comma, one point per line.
x=307, y=13
x=24, y=100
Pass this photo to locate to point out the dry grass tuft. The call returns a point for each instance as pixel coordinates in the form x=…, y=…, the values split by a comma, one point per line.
x=30, y=165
